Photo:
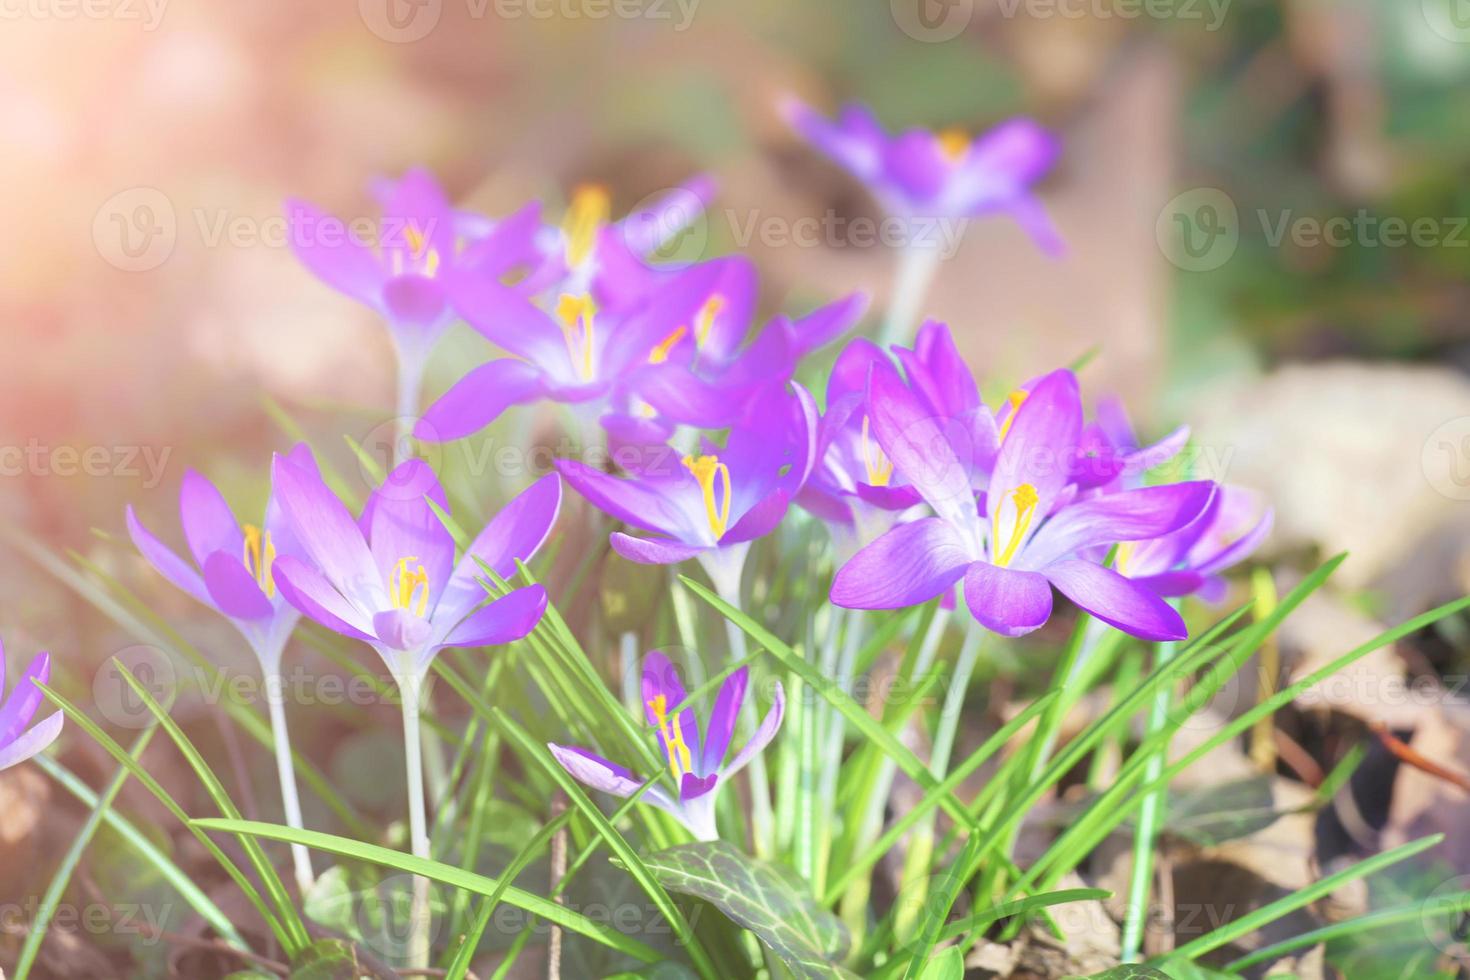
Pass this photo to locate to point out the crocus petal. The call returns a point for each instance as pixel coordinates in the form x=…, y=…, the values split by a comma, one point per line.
x=682, y=396
x=328, y=249
x=692, y=787
x=511, y=244
x=910, y=564
x=1117, y=601
x=851, y=369
x=404, y=526
x=676, y=304
x=515, y=533
x=32, y=742
x=651, y=228
x=163, y=559
x=479, y=398
x=1007, y=601
x=938, y=373
x=760, y=520
x=208, y=523
x=505, y=620
x=1171, y=584
x=913, y=159
x=653, y=551
x=233, y=589
x=607, y=777
x=920, y=449
x=417, y=303
x=722, y=720
x=401, y=629
x=1018, y=148
x=630, y=501
x=1145, y=459
x=825, y=324
x=327, y=533
x=1039, y=445
x=506, y=318
x=1132, y=515
x=24, y=698
x=1027, y=212
x=308, y=590
x=769, y=725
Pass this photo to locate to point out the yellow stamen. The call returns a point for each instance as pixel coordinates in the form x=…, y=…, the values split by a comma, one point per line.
x=576, y=314
x=704, y=322
x=705, y=469
x=1015, y=398
x=260, y=553
x=875, y=460
x=1124, y=556
x=668, y=726
x=1025, y=499
x=417, y=247
x=661, y=352
x=404, y=583
x=588, y=212
x=954, y=143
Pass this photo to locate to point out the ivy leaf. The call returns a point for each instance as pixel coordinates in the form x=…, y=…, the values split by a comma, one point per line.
x=326, y=959
x=769, y=900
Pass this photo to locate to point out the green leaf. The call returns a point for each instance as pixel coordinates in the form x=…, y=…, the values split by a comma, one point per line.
x=326, y=959
x=767, y=899
x=946, y=965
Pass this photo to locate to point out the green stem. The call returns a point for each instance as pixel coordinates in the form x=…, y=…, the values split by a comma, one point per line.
x=914, y=882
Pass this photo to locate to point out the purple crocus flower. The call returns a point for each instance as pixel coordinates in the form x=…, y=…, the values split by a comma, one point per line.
x=17, y=741
x=1026, y=534
x=696, y=758
x=233, y=572
x=390, y=579
x=421, y=238
x=923, y=174
x=709, y=505
x=233, y=566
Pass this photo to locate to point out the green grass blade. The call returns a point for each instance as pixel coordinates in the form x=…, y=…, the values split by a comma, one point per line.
x=438, y=871
x=1267, y=914
x=78, y=718
x=850, y=709
x=73, y=857
x=290, y=919
x=191, y=893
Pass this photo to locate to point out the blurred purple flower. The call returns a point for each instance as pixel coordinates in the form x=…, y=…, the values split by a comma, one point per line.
x=1027, y=531
x=421, y=237
x=233, y=567
x=18, y=742
x=390, y=579
x=923, y=174
x=696, y=758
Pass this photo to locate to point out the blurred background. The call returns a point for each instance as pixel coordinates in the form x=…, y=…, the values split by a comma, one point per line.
x=1265, y=204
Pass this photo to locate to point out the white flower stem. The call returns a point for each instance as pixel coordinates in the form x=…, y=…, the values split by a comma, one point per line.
x=410, y=379
x=916, y=267
x=286, y=772
x=409, y=685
